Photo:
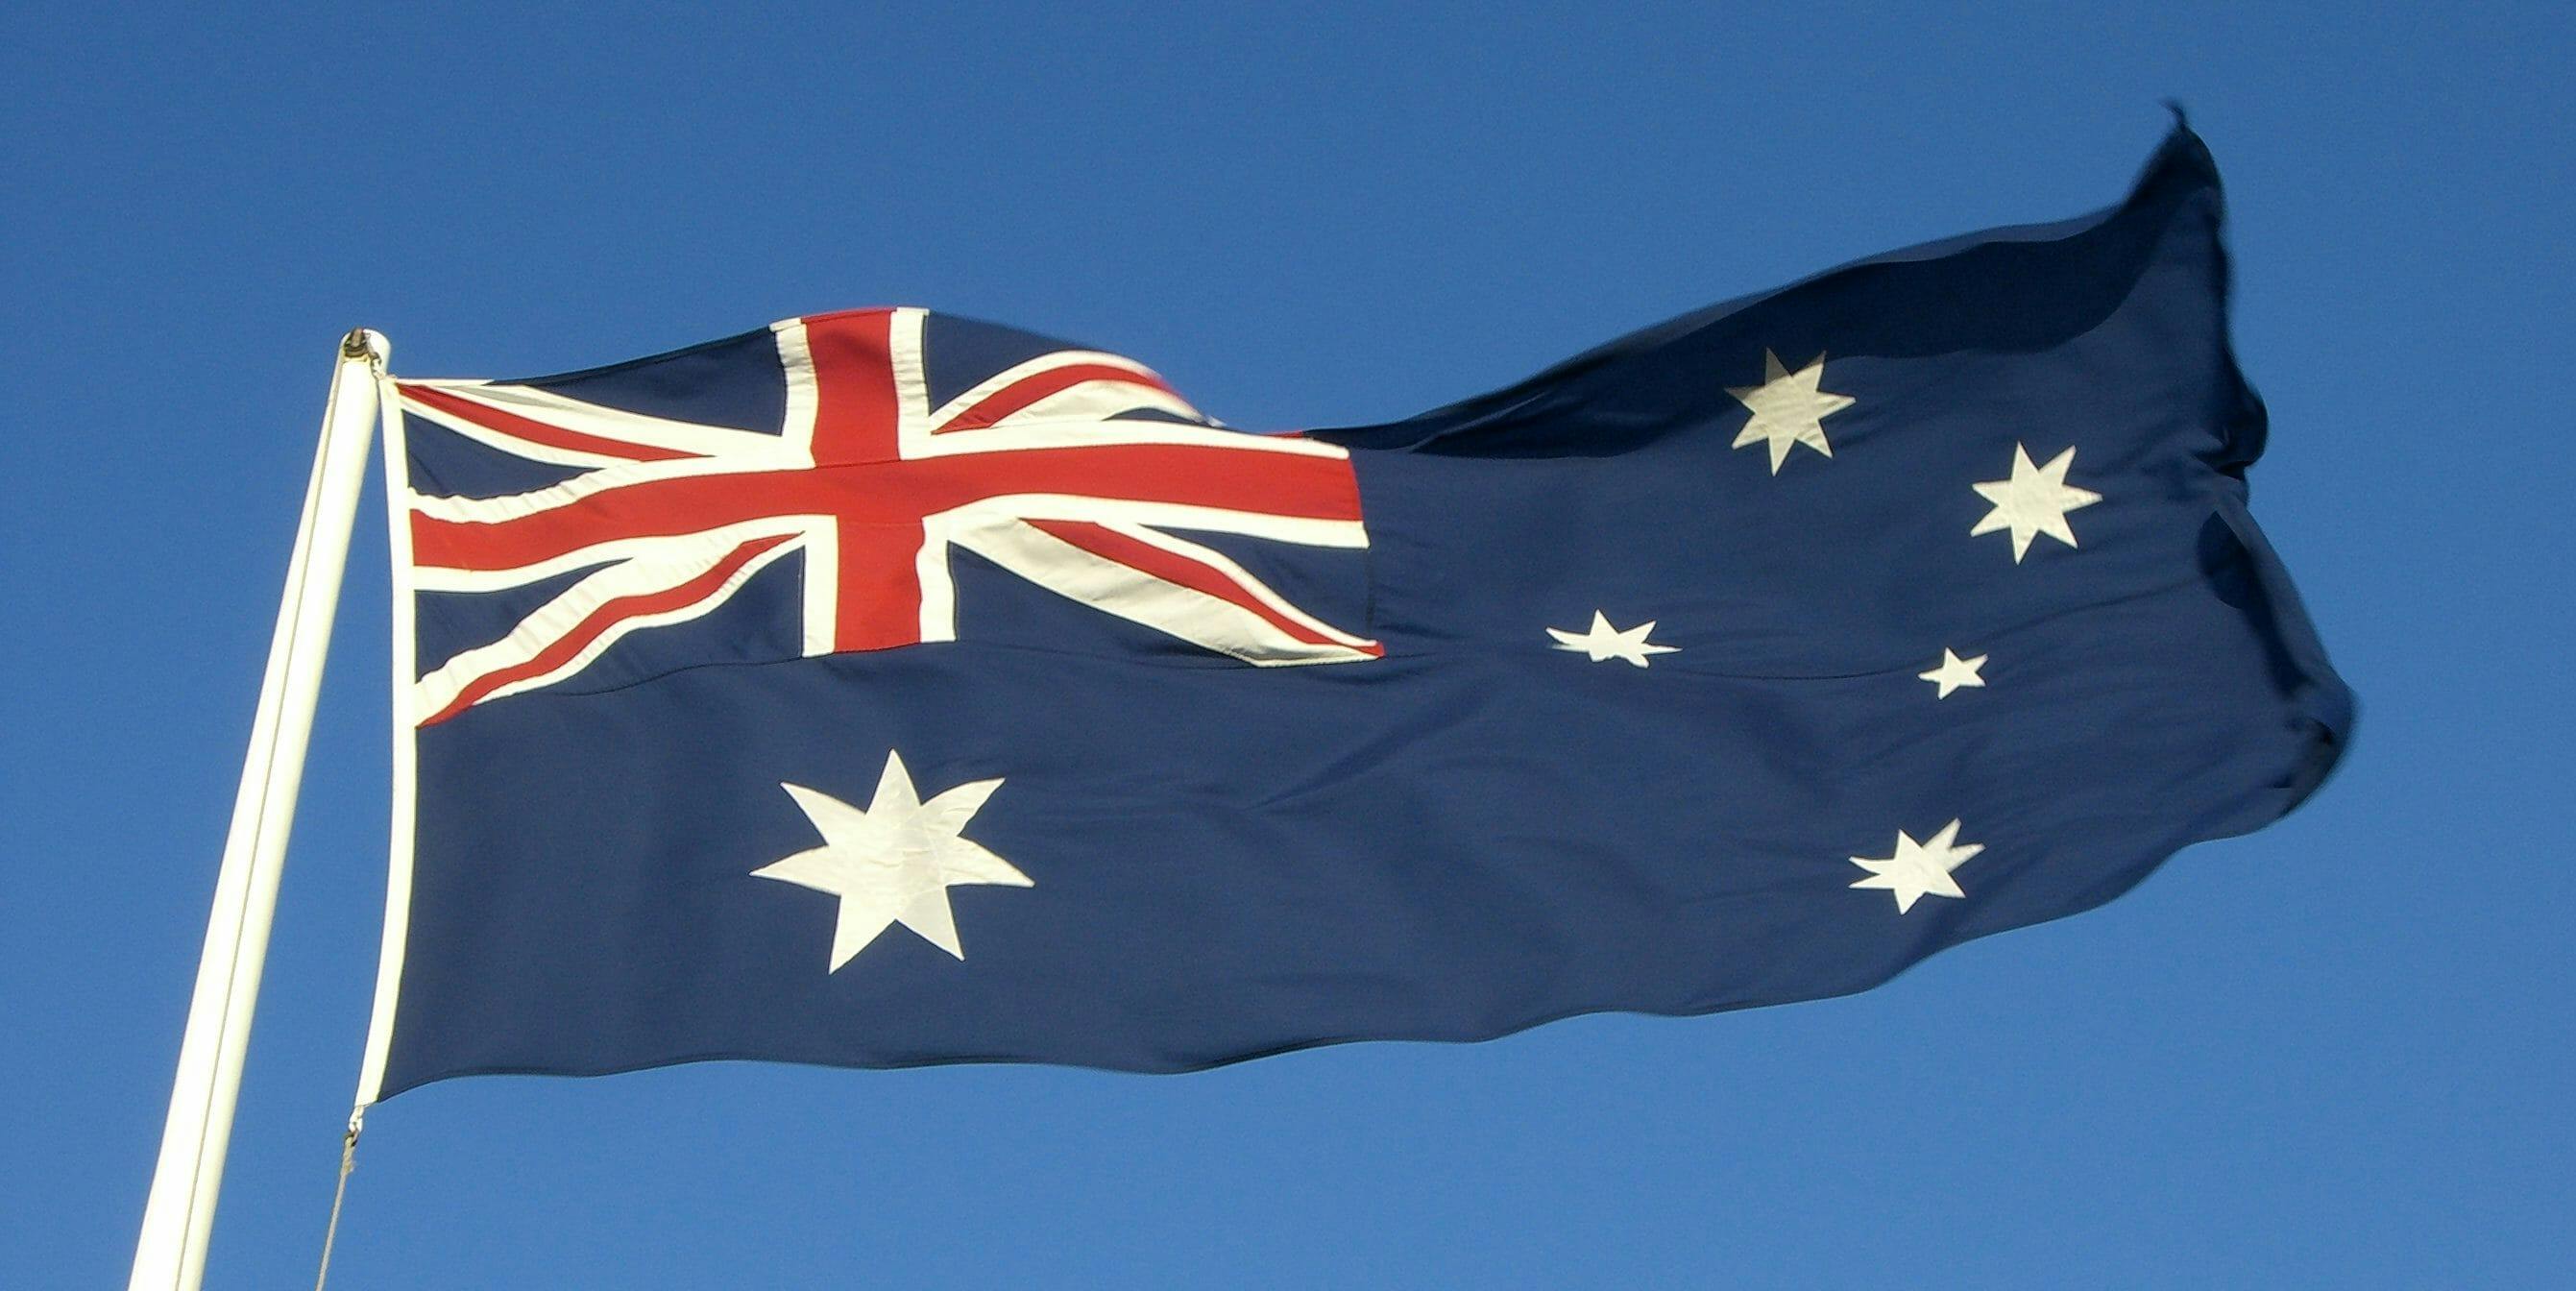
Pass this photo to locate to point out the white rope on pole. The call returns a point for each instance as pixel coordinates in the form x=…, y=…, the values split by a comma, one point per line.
x=339, y=1194
x=179, y=1216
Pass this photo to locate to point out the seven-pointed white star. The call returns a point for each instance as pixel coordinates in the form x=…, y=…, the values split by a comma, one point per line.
x=1788, y=408
x=1605, y=642
x=895, y=861
x=1919, y=870
x=2034, y=501
x=1954, y=672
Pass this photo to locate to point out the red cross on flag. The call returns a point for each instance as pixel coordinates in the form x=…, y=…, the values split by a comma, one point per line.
x=1045, y=469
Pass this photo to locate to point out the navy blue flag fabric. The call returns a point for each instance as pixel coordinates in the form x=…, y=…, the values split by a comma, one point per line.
x=883, y=688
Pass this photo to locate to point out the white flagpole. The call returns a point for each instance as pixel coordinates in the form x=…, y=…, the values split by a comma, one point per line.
x=178, y=1218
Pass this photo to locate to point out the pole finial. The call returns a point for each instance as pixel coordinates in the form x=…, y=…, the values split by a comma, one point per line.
x=362, y=343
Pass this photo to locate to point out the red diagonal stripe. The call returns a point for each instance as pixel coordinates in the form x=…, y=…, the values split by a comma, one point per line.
x=1029, y=389
x=535, y=432
x=1172, y=567
x=608, y=615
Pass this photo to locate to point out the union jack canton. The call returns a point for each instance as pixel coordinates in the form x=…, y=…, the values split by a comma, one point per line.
x=1068, y=467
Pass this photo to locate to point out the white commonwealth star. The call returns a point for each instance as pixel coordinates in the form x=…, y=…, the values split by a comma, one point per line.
x=1919, y=870
x=1606, y=642
x=2034, y=501
x=1788, y=408
x=894, y=862
x=1954, y=672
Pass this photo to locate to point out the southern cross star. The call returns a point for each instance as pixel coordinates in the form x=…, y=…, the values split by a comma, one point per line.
x=1788, y=408
x=893, y=862
x=1604, y=642
x=1954, y=672
x=2033, y=502
x=1919, y=870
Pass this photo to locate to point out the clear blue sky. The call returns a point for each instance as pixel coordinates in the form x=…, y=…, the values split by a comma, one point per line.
x=2336, y=1053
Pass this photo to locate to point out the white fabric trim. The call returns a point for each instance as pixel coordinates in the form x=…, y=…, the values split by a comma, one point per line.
x=406, y=759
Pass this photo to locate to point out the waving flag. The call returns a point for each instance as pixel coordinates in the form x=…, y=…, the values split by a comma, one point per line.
x=884, y=688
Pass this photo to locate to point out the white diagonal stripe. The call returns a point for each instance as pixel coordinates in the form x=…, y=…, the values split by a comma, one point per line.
x=1094, y=404
x=1039, y=366
x=670, y=563
x=513, y=506
x=1192, y=615
x=585, y=418
x=1303, y=530
x=1226, y=568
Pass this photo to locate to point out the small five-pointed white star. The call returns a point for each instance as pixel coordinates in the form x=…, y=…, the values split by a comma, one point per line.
x=1918, y=870
x=2034, y=501
x=1788, y=408
x=1605, y=642
x=894, y=862
x=1954, y=672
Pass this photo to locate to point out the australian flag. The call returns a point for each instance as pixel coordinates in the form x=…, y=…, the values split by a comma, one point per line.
x=885, y=688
